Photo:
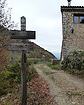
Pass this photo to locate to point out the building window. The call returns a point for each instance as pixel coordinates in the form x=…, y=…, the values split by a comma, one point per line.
x=75, y=19
x=78, y=18
x=81, y=19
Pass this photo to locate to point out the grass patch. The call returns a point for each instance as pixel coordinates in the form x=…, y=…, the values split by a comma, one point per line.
x=55, y=66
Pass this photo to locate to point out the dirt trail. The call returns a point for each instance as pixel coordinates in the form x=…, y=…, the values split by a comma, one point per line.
x=66, y=89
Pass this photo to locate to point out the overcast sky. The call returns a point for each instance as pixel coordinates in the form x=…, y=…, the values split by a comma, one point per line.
x=43, y=16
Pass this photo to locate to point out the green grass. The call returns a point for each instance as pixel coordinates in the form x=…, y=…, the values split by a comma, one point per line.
x=55, y=66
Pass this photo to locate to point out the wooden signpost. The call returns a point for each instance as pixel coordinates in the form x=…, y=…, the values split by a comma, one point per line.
x=19, y=47
x=23, y=35
x=17, y=34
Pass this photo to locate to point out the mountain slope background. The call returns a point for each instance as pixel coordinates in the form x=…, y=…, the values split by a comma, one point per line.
x=34, y=51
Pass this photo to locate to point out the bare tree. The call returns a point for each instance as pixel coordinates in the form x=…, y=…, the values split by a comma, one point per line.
x=5, y=15
x=5, y=25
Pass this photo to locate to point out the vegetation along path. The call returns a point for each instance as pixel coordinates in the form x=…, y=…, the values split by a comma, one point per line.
x=66, y=89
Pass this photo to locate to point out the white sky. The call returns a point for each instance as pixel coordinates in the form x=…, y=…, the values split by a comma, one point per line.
x=43, y=16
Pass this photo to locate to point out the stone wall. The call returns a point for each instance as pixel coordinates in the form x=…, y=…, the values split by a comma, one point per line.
x=71, y=41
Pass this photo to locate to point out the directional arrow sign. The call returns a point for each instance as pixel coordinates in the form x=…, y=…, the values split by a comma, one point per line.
x=17, y=34
x=19, y=46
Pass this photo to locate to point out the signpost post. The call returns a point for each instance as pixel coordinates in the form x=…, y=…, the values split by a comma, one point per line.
x=24, y=68
x=23, y=35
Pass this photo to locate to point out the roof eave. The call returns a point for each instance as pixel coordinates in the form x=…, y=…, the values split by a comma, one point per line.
x=72, y=8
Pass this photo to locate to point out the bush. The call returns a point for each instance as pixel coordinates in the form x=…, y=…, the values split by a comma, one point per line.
x=5, y=82
x=15, y=72
x=12, y=76
x=4, y=87
x=75, y=60
x=8, y=78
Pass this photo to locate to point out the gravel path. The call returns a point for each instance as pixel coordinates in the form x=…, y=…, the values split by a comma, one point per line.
x=66, y=89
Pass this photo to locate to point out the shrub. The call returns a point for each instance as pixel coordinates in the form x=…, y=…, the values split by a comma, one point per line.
x=4, y=84
x=8, y=78
x=75, y=60
x=15, y=72
x=12, y=76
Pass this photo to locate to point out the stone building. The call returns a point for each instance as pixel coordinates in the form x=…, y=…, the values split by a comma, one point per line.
x=73, y=29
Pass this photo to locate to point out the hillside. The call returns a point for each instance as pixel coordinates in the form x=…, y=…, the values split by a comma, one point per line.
x=38, y=52
x=34, y=51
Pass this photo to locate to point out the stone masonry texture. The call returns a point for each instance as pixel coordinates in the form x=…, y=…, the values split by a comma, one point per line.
x=71, y=41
